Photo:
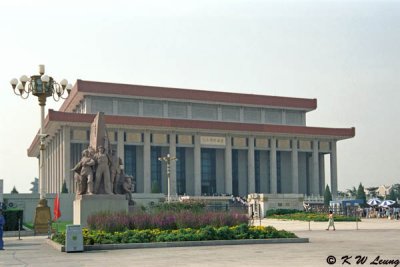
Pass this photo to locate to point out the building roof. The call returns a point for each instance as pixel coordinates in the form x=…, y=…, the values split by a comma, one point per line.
x=56, y=119
x=82, y=88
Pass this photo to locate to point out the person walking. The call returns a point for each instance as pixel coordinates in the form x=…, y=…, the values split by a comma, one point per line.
x=2, y=223
x=331, y=222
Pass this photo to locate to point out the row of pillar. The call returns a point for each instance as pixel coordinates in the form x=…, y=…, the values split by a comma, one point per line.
x=315, y=170
x=314, y=183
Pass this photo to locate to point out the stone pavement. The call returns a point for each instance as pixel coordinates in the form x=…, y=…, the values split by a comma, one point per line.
x=375, y=238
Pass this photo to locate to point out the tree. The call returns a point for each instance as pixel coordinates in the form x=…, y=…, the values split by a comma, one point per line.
x=394, y=192
x=361, y=193
x=64, y=188
x=14, y=190
x=392, y=195
x=327, y=196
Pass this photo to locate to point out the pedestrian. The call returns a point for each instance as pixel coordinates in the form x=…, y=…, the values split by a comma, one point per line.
x=2, y=222
x=331, y=222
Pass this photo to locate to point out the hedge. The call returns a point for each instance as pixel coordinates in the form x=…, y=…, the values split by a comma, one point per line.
x=12, y=217
x=243, y=231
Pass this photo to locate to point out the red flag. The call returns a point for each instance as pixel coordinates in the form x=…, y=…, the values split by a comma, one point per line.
x=57, y=212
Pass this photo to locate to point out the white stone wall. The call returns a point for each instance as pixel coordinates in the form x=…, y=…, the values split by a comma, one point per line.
x=28, y=203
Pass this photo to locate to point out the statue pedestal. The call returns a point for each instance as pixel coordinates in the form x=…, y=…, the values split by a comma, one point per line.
x=42, y=217
x=86, y=205
x=41, y=221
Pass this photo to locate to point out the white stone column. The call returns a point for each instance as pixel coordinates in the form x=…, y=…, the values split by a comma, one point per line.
x=62, y=159
x=59, y=177
x=47, y=162
x=50, y=173
x=197, y=166
x=334, y=183
x=322, y=174
x=273, y=170
x=66, y=143
x=251, y=186
x=146, y=163
x=228, y=166
x=315, y=169
x=295, y=167
x=172, y=152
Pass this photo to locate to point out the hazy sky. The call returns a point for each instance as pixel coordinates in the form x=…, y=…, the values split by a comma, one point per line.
x=344, y=53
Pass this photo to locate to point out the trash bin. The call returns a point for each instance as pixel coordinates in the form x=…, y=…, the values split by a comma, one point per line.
x=73, y=238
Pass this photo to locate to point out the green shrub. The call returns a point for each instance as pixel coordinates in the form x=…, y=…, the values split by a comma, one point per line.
x=242, y=231
x=12, y=217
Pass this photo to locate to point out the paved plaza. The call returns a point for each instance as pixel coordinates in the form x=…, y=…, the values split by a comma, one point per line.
x=374, y=238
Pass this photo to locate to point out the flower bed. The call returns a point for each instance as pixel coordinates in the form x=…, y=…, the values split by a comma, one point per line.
x=243, y=231
x=164, y=220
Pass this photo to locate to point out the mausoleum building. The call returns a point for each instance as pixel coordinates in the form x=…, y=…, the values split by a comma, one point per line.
x=225, y=143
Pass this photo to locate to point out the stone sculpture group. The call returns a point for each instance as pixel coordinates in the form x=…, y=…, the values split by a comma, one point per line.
x=99, y=172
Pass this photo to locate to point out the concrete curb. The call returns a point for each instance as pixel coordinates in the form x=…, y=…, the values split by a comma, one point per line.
x=55, y=245
x=61, y=248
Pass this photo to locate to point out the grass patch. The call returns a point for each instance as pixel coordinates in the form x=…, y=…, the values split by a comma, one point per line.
x=60, y=226
x=29, y=225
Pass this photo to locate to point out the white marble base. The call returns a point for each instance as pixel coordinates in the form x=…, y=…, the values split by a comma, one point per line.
x=86, y=205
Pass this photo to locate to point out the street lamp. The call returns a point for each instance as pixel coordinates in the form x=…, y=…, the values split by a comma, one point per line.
x=41, y=86
x=168, y=160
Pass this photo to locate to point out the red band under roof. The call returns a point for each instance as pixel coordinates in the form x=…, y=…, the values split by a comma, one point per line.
x=268, y=129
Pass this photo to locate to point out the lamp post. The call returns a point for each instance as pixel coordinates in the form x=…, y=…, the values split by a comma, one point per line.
x=42, y=86
x=167, y=159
